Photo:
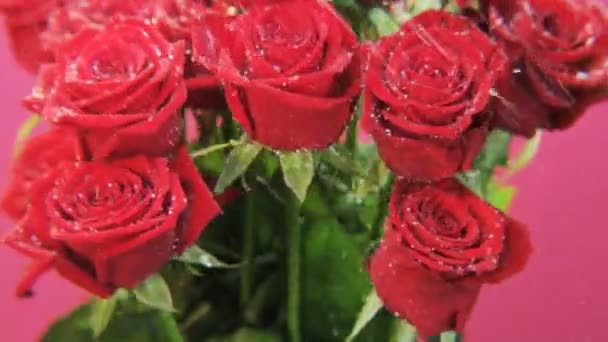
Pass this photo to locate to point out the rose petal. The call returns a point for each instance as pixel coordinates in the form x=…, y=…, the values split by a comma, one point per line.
x=423, y=298
x=202, y=207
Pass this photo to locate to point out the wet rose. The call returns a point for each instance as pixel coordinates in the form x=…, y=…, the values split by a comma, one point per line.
x=104, y=225
x=559, y=60
x=78, y=15
x=123, y=87
x=173, y=18
x=290, y=71
x=25, y=20
x=39, y=155
x=442, y=243
x=427, y=93
x=250, y=3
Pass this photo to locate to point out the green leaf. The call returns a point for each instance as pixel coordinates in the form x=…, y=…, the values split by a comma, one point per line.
x=339, y=158
x=236, y=164
x=215, y=148
x=298, y=171
x=155, y=293
x=383, y=22
x=495, y=152
x=345, y=3
x=316, y=204
x=251, y=335
x=450, y=336
x=526, y=155
x=474, y=180
x=333, y=281
x=74, y=327
x=403, y=332
x=197, y=256
x=371, y=307
x=148, y=326
x=500, y=196
x=24, y=131
x=420, y=6
x=376, y=178
x=101, y=313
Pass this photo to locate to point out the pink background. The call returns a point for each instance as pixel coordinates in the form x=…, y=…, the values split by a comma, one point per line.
x=561, y=296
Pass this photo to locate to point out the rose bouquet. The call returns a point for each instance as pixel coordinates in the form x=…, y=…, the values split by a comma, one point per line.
x=295, y=170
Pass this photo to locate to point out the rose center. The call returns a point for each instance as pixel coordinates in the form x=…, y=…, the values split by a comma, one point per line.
x=284, y=37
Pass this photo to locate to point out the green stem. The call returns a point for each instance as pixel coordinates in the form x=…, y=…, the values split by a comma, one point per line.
x=446, y=337
x=385, y=193
x=215, y=148
x=353, y=131
x=248, y=250
x=292, y=212
x=228, y=126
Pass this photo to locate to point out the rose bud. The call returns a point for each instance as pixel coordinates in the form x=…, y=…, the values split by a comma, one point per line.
x=427, y=92
x=558, y=51
x=25, y=20
x=104, y=225
x=290, y=71
x=123, y=87
x=441, y=244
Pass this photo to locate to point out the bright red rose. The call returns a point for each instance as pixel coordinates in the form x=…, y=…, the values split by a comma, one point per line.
x=290, y=71
x=122, y=86
x=104, y=225
x=427, y=92
x=559, y=58
x=442, y=243
x=39, y=155
x=24, y=21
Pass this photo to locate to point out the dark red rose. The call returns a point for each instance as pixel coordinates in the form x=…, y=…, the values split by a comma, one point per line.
x=442, y=243
x=122, y=86
x=39, y=155
x=104, y=225
x=290, y=71
x=427, y=92
x=559, y=59
x=24, y=21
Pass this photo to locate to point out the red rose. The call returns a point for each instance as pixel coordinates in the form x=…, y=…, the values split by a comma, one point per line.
x=38, y=156
x=104, y=225
x=24, y=21
x=122, y=86
x=442, y=243
x=173, y=18
x=559, y=57
x=290, y=71
x=77, y=15
x=427, y=92
x=249, y=3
